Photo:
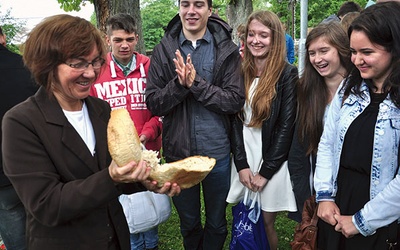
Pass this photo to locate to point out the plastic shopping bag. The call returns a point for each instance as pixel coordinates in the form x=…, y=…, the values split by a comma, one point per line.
x=145, y=210
x=248, y=232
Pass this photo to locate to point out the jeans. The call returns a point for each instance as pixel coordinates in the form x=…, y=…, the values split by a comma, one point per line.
x=145, y=240
x=12, y=219
x=215, y=190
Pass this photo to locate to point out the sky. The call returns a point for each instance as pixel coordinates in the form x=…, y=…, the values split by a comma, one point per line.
x=33, y=11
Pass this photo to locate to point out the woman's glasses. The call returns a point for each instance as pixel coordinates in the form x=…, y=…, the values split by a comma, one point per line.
x=81, y=66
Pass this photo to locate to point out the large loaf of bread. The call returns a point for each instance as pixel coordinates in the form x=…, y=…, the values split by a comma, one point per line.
x=124, y=146
x=123, y=139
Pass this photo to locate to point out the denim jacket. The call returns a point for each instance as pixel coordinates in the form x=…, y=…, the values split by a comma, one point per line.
x=384, y=206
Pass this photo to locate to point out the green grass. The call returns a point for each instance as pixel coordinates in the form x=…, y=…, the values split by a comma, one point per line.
x=171, y=239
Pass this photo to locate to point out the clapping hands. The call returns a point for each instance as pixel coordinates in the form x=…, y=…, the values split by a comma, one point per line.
x=186, y=71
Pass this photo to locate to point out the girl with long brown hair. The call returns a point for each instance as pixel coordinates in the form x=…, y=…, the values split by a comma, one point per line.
x=327, y=62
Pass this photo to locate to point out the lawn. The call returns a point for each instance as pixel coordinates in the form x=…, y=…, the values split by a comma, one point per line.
x=170, y=237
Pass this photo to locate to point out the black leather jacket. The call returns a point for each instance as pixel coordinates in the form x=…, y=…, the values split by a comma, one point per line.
x=277, y=130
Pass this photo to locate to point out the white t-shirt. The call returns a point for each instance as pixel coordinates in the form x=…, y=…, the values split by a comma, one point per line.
x=81, y=122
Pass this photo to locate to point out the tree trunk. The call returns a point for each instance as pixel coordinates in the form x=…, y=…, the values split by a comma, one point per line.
x=102, y=10
x=237, y=13
x=105, y=8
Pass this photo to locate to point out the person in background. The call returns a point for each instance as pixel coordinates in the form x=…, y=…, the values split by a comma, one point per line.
x=16, y=85
x=195, y=83
x=241, y=31
x=346, y=7
x=3, y=38
x=242, y=45
x=289, y=46
x=348, y=19
x=55, y=145
x=122, y=84
x=327, y=63
x=356, y=178
x=262, y=133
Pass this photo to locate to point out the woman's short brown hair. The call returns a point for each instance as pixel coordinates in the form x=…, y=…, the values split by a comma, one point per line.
x=57, y=39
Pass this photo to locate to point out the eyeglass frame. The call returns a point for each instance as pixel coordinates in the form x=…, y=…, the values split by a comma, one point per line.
x=83, y=65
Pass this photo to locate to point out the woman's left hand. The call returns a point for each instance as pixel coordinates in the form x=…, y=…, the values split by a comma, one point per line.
x=258, y=182
x=345, y=225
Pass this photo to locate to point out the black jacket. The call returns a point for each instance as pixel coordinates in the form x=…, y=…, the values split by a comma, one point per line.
x=16, y=85
x=300, y=166
x=166, y=97
x=277, y=130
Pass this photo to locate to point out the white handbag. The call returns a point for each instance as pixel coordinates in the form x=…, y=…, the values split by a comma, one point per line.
x=145, y=210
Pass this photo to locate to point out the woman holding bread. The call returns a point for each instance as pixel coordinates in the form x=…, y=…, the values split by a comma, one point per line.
x=55, y=145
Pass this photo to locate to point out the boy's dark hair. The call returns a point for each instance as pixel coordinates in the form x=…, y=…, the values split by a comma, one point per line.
x=1, y=32
x=347, y=7
x=121, y=21
x=209, y=2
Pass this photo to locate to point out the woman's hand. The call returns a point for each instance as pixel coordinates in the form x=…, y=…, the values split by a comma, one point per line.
x=131, y=172
x=245, y=177
x=258, y=182
x=345, y=225
x=327, y=210
x=171, y=189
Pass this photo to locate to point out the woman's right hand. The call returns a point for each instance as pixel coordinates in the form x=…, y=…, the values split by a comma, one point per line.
x=327, y=210
x=131, y=172
x=245, y=177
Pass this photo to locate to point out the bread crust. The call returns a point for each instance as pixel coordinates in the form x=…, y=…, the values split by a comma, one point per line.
x=124, y=146
x=123, y=139
x=186, y=173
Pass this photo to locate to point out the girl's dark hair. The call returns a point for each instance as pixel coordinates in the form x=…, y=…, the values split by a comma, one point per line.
x=313, y=94
x=381, y=24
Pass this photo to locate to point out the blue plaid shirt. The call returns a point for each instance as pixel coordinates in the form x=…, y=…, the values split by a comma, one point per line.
x=208, y=134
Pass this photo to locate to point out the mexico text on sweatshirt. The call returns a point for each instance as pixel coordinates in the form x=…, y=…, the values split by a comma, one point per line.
x=128, y=92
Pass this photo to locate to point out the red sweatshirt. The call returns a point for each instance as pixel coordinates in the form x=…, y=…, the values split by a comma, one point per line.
x=129, y=92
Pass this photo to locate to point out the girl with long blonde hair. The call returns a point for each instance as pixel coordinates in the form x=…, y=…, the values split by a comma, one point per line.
x=262, y=132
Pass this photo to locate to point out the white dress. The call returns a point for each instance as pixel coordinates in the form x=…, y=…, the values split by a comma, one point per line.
x=277, y=195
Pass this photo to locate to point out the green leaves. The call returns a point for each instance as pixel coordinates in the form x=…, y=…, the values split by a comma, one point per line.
x=71, y=5
x=155, y=17
x=11, y=27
